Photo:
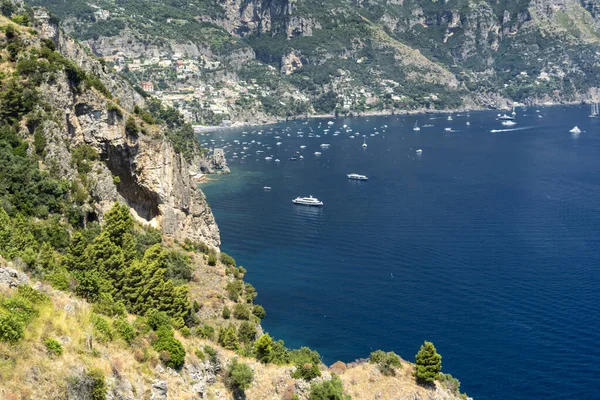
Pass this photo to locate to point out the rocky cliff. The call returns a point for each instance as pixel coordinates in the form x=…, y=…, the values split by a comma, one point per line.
x=141, y=169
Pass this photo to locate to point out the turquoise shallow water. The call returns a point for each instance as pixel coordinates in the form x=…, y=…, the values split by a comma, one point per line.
x=488, y=244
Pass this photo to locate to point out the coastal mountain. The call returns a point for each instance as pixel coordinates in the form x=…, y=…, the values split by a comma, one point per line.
x=112, y=285
x=255, y=60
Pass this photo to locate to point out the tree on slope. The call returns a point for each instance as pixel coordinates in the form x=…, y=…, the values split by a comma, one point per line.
x=429, y=364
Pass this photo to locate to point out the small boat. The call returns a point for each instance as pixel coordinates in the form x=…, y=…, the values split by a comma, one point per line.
x=277, y=160
x=357, y=177
x=416, y=128
x=307, y=201
x=449, y=117
x=294, y=158
x=448, y=129
x=508, y=123
x=468, y=123
x=428, y=126
x=325, y=145
x=268, y=158
x=364, y=142
x=575, y=130
x=267, y=188
x=317, y=153
x=505, y=117
x=419, y=151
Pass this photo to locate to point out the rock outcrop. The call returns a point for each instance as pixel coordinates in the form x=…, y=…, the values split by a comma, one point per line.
x=140, y=169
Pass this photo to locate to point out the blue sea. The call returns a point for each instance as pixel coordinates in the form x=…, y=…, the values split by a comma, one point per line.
x=486, y=244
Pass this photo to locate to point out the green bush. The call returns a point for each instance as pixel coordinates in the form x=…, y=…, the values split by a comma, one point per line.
x=241, y=311
x=246, y=332
x=328, y=390
x=157, y=319
x=259, y=311
x=212, y=354
x=307, y=363
x=212, y=260
x=228, y=338
x=239, y=375
x=450, y=382
x=166, y=342
x=386, y=362
x=53, y=346
x=101, y=328
x=263, y=348
x=98, y=384
x=112, y=107
x=234, y=290
x=185, y=332
x=428, y=364
x=124, y=330
x=131, y=127
x=11, y=328
x=226, y=312
x=227, y=259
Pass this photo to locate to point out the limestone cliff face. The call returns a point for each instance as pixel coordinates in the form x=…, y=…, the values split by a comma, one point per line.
x=153, y=179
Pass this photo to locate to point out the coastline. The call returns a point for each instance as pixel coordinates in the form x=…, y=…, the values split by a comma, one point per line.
x=426, y=111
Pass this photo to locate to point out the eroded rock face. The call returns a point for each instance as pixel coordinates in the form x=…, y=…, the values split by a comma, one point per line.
x=143, y=171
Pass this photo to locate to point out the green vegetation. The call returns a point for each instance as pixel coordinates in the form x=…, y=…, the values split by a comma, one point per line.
x=328, y=390
x=239, y=375
x=53, y=346
x=386, y=362
x=428, y=364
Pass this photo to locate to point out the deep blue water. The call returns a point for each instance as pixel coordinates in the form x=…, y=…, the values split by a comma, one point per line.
x=488, y=244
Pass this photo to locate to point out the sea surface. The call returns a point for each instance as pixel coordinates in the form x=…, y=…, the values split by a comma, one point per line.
x=486, y=244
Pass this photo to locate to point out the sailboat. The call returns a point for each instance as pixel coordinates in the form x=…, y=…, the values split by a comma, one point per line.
x=364, y=142
x=594, y=113
x=416, y=128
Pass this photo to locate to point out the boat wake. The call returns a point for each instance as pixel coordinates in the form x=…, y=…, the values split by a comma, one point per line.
x=511, y=129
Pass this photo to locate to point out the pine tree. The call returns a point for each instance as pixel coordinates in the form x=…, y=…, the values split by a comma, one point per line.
x=117, y=222
x=429, y=364
x=75, y=257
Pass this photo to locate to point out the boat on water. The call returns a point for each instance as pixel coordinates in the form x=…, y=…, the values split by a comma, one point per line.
x=357, y=177
x=267, y=188
x=505, y=117
x=448, y=129
x=468, y=123
x=307, y=201
x=575, y=130
x=449, y=117
x=317, y=153
x=428, y=126
x=364, y=142
x=293, y=158
x=595, y=112
x=325, y=145
x=508, y=123
x=416, y=128
x=419, y=151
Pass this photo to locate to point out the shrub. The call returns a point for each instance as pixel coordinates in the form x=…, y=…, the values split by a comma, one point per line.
x=234, y=290
x=205, y=332
x=108, y=306
x=157, y=319
x=386, y=362
x=249, y=293
x=112, y=107
x=212, y=260
x=227, y=259
x=428, y=364
x=103, y=331
x=185, y=332
x=307, y=363
x=241, y=311
x=124, y=330
x=98, y=385
x=246, y=332
x=228, y=338
x=226, y=312
x=450, y=382
x=53, y=346
x=131, y=127
x=239, y=375
x=328, y=390
x=263, y=348
x=259, y=311
x=166, y=342
x=212, y=354
x=11, y=329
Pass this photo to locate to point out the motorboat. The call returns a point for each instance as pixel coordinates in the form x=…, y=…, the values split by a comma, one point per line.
x=308, y=201
x=357, y=177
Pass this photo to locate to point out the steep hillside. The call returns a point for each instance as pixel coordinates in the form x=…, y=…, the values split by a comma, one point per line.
x=95, y=301
x=249, y=60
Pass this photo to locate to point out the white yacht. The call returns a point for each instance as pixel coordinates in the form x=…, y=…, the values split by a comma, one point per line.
x=509, y=123
x=364, y=142
x=357, y=177
x=575, y=130
x=325, y=145
x=505, y=117
x=419, y=151
x=416, y=128
x=307, y=201
x=449, y=117
x=317, y=153
x=448, y=129
x=267, y=188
